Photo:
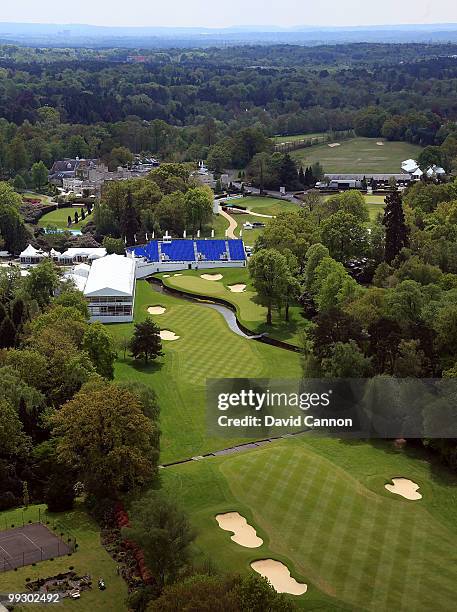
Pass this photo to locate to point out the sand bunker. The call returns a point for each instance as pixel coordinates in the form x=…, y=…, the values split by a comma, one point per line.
x=237, y=288
x=166, y=334
x=243, y=533
x=334, y=144
x=156, y=310
x=380, y=144
x=279, y=576
x=213, y=277
x=404, y=487
x=178, y=274
x=166, y=276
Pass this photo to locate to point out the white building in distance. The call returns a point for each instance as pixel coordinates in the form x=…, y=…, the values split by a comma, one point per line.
x=110, y=289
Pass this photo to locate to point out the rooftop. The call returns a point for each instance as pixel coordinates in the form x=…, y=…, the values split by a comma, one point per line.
x=111, y=275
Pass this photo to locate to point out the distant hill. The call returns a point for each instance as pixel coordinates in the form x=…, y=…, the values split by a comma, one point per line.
x=80, y=35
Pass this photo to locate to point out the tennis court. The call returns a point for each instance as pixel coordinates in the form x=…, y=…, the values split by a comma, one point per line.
x=29, y=544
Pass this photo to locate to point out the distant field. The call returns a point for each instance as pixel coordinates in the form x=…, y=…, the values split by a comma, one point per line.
x=295, y=137
x=360, y=155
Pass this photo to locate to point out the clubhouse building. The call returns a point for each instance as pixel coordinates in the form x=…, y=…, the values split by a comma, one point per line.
x=170, y=255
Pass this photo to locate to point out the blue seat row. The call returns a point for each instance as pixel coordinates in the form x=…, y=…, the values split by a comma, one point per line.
x=236, y=249
x=212, y=250
x=178, y=250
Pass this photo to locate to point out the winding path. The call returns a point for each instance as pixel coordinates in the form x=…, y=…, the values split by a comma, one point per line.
x=232, y=223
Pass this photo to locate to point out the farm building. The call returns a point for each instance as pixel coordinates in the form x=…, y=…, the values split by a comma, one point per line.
x=168, y=255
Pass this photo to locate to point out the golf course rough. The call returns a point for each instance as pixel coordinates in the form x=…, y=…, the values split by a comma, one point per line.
x=243, y=533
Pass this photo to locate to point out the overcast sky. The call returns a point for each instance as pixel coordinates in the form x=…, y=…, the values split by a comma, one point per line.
x=209, y=13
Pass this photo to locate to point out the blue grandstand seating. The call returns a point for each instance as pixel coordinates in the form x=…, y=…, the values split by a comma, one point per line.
x=212, y=250
x=236, y=250
x=178, y=250
x=152, y=250
x=184, y=250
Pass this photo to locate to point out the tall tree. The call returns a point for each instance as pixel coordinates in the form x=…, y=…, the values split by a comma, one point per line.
x=164, y=533
x=99, y=344
x=396, y=229
x=288, y=176
x=39, y=174
x=103, y=435
x=269, y=273
x=129, y=220
x=146, y=342
x=7, y=333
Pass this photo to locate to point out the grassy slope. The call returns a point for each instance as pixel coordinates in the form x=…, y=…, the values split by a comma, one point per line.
x=207, y=349
x=358, y=155
x=321, y=507
x=91, y=558
x=59, y=217
x=250, y=313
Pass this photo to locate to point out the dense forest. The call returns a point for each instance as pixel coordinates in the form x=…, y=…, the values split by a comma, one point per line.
x=180, y=104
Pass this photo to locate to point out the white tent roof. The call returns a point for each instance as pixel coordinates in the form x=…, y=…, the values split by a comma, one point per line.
x=31, y=251
x=81, y=269
x=409, y=165
x=83, y=252
x=111, y=276
x=417, y=172
x=78, y=280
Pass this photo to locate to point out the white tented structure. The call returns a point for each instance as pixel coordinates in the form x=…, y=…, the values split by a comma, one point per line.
x=110, y=289
x=32, y=256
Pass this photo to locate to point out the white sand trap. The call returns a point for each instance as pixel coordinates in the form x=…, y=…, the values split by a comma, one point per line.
x=156, y=310
x=279, y=576
x=243, y=533
x=178, y=274
x=166, y=276
x=213, y=277
x=380, y=144
x=166, y=334
x=404, y=487
x=334, y=144
x=237, y=288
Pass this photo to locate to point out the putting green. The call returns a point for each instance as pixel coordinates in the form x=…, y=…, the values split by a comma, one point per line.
x=250, y=313
x=207, y=348
x=321, y=508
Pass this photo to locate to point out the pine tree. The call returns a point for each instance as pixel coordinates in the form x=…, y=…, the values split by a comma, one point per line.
x=2, y=313
x=301, y=176
x=288, y=172
x=17, y=312
x=311, y=178
x=129, y=220
x=76, y=216
x=69, y=221
x=7, y=333
x=394, y=222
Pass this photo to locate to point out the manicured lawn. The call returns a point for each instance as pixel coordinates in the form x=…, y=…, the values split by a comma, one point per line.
x=31, y=195
x=358, y=155
x=320, y=506
x=266, y=206
x=91, y=558
x=249, y=311
x=59, y=218
x=219, y=224
x=207, y=348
